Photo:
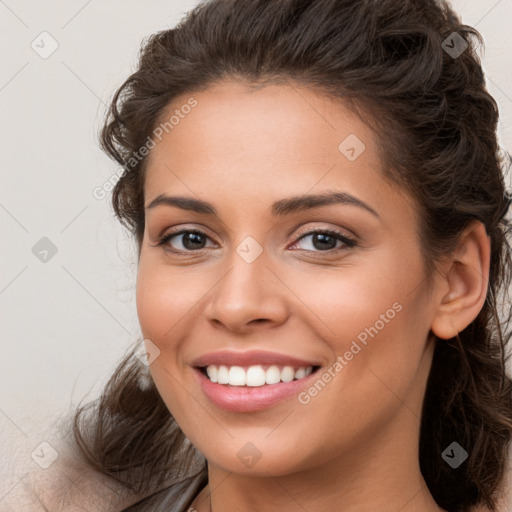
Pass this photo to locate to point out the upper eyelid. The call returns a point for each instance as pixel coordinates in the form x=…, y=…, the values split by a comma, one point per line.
x=301, y=231
x=299, y=236
x=335, y=231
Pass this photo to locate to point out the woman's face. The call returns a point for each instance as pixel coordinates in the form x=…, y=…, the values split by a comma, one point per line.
x=257, y=288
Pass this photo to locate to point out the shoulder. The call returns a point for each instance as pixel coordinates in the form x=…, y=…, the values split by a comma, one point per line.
x=47, y=473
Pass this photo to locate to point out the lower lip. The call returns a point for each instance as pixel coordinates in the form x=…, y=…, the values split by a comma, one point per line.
x=247, y=398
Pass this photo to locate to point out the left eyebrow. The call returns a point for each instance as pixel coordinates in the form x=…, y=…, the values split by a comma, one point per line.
x=300, y=203
x=279, y=208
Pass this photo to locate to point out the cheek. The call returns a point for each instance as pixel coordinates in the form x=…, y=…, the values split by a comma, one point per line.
x=376, y=318
x=165, y=297
x=354, y=302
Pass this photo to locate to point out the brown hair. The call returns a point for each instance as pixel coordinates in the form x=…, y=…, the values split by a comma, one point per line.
x=436, y=124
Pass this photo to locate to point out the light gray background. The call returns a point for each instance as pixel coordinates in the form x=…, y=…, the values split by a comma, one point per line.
x=65, y=323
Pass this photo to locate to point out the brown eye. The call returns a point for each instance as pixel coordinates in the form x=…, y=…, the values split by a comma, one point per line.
x=187, y=240
x=325, y=240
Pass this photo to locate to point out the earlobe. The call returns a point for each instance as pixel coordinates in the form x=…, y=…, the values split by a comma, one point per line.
x=467, y=278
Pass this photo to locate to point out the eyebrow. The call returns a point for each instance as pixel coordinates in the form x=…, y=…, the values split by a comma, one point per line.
x=279, y=208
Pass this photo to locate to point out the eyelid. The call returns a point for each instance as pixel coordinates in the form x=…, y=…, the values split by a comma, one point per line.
x=167, y=236
x=179, y=229
x=347, y=240
x=319, y=229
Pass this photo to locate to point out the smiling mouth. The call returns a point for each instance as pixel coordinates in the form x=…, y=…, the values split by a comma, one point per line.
x=256, y=375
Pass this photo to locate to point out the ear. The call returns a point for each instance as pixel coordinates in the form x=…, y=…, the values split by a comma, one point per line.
x=464, y=283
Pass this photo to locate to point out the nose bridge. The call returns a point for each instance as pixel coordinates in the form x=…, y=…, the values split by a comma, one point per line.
x=248, y=290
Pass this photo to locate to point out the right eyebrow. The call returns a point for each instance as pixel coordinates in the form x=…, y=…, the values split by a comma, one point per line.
x=185, y=203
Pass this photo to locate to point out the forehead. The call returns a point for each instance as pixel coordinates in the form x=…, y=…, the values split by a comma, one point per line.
x=276, y=141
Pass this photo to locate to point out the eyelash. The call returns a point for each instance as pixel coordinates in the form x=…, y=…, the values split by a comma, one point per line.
x=348, y=242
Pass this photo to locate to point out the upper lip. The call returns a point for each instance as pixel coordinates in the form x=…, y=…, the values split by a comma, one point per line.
x=250, y=358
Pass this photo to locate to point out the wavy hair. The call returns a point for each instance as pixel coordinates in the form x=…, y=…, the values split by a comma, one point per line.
x=435, y=123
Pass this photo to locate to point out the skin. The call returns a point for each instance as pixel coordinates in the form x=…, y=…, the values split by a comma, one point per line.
x=354, y=446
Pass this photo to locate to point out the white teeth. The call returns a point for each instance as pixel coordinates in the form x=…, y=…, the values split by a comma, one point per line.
x=287, y=374
x=300, y=373
x=273, y=375
x=212, y=372
x=222, y=375
x=255, y=376
x=237, y=376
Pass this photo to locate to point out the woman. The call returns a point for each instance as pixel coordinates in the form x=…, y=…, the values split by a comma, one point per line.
x=316, y=193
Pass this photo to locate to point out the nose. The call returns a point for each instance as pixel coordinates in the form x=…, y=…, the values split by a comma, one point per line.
x=248, y=297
